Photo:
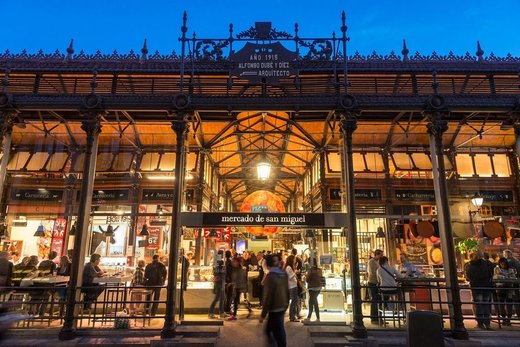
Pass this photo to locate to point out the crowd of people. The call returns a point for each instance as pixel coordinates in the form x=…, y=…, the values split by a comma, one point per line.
x=488, y=281
x=231, y=284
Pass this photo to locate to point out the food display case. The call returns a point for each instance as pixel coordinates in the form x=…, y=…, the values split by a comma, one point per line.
x=333, y=296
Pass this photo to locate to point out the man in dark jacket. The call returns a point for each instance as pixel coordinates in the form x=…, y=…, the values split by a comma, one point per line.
x=480, y=278
x=275, y=301
x=228, y=283
x=155, y=275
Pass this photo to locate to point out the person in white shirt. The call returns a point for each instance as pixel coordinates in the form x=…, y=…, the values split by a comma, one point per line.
x=290, y=264
x=386, y=276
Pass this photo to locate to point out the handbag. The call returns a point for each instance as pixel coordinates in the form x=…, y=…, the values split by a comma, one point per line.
x=122, y=321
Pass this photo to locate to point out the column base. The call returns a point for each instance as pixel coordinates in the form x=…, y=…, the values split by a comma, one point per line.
x=460, y=334
x=67, y=334
x=168, y=333
x=359, y=332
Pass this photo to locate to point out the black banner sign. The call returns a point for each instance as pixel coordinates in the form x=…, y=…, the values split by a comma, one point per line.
x=415, y=195
x=109, y=195
x=270, y=61
x=263, y=219
x=36, y=195
x=492, y=195
x=157, y=195
x=360, y=194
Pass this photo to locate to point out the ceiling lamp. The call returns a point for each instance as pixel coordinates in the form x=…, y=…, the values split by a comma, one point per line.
x=110, y=230
x=263, y=169
x=159, y=210
x=477, y=200
x=72, y=230
x=40, y=232
x=144, y=231
x=380, y=233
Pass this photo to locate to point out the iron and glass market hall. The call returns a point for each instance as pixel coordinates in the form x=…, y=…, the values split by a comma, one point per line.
x=262, y=141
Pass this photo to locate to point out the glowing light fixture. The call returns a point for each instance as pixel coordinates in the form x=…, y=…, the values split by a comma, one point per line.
x=477, y=200
x=160, y=177
x=263, y=169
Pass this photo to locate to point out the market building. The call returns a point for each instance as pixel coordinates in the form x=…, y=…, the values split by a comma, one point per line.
x=129, y=155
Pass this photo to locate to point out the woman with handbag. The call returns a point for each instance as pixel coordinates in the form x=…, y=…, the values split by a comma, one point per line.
x=314, y=284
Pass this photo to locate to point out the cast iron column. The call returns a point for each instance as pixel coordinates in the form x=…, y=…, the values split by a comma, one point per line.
x=436, y=128
x=92, y=127
x=180, y=126
x=6, y=124
x=200, y=197
x=348, y=126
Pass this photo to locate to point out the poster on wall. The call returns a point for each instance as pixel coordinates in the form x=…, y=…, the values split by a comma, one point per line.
x=58, y=234
x=154, y=237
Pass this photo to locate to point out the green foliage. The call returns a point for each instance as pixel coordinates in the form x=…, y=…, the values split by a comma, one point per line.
x=467, y=246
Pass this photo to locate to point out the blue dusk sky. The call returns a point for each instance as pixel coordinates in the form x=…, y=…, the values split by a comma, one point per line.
x=379, y=25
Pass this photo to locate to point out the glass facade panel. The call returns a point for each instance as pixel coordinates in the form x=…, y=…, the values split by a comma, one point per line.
x=464, y=165
x=483, y=165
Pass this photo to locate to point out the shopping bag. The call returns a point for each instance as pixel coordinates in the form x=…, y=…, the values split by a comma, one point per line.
x=122, y=321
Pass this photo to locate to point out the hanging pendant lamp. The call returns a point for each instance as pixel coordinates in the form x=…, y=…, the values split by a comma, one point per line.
x=144, y=231
x=40, y=232
x=110, y=231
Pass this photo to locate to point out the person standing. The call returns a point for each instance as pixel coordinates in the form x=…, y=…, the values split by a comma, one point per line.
x=261, y=275
x=372, y=266
x=515, y=264
x=239, y=280
x=293, y=288
x=228, y=282
x=504, y=290
x=92, y=290
x=138, y=280
x=480, y=278
x=275, y=301
x=314, y=275
x=155, y=276
x=219, y=272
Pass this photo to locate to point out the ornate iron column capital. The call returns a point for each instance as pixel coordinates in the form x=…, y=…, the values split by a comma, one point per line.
x=180, y=125
x=91, y=125
x=348, y=124
x=437, y=125
x=7, y=120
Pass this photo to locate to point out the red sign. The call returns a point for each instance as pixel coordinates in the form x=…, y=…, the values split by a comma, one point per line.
x=227, y=234
x=153, y=237
x=212, y=233
x=58, y=232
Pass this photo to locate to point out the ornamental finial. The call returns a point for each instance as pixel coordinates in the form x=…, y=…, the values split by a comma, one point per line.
x=144, y=50
x=480, y=52
x=405, y=51
x=70, y=49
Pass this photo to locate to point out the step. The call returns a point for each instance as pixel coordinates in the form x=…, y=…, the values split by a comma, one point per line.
x=329, y=341
x=182, y=341
x=322, y=323
x=198, y=330
x=329, y=331
x=213, y=322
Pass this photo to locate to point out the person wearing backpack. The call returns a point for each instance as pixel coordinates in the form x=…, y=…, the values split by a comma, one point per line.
x=155, y=275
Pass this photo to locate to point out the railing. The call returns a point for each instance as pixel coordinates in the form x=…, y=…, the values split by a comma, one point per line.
x=498, y=305
x=103, y=306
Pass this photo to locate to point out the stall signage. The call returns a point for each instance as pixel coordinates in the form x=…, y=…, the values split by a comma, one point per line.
x=262, y=219
x=36, y=195
x=153, y=237
x=492, y=195
x=415, y=195
x=157, y=195
x=359, y=194
x=270, y=62
x=109, y=195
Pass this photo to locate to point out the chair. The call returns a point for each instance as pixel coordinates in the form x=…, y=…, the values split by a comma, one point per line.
x=140, y=303
x=395, y=313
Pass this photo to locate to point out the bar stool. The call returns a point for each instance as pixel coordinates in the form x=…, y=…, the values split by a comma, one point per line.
x=140, y=304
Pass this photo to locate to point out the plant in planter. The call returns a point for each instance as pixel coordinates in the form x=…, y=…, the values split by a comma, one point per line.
x=467, y=246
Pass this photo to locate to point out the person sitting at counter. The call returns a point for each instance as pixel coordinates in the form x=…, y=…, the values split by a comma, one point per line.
x=48, y=266
x=64, y=266
x=92, y=290
x=386, y=276
x=504, y=290
x=27, y=268
x=407, y=268
x=480, y=278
